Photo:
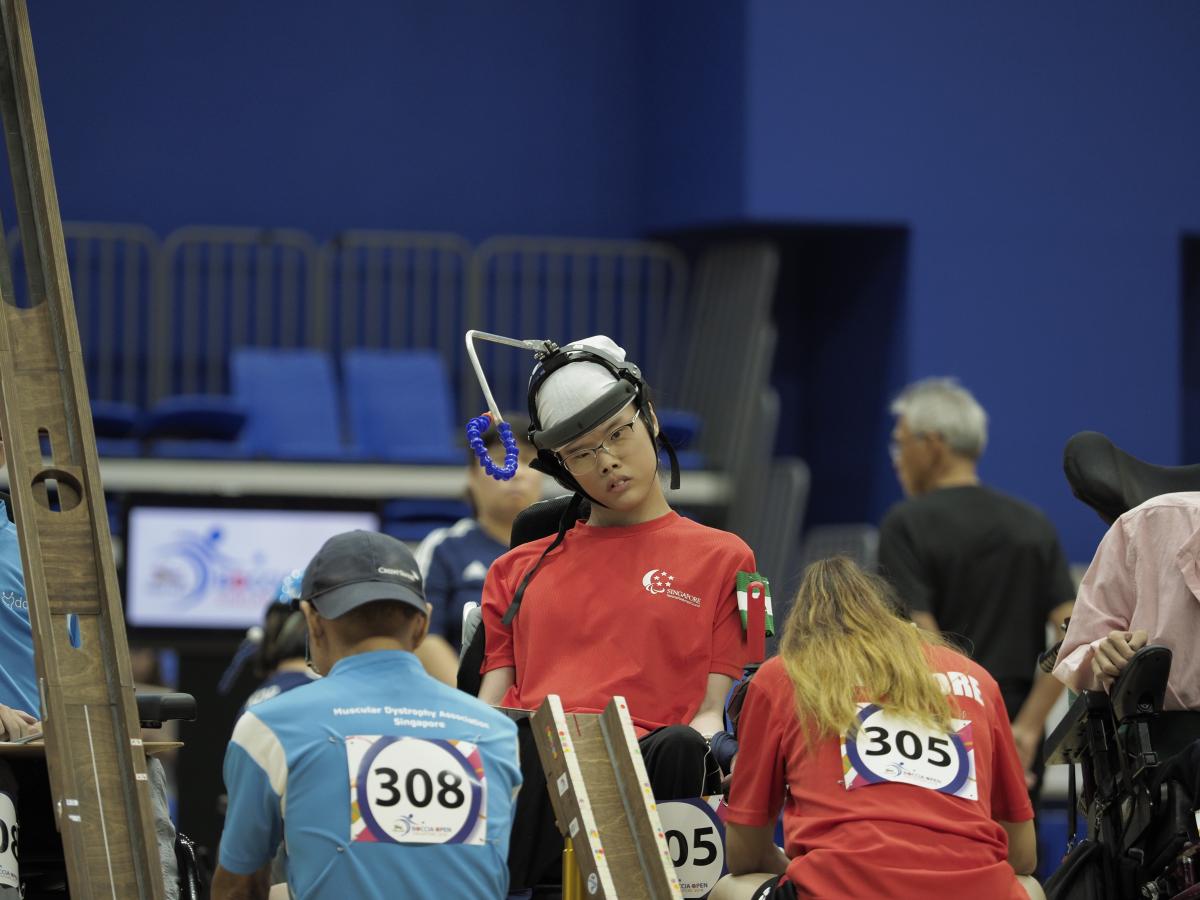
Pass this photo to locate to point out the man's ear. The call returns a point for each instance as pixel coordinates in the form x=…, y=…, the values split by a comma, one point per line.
x=937, y=443
x=313, y=620
x=420, y=628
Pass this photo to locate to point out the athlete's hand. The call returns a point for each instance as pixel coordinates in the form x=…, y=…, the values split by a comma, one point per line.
x=1113, y=654
x=16, y=724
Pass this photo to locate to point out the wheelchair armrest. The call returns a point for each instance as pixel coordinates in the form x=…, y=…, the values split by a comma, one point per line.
x=154, y=709
x=472, y=618
x=1141, y=687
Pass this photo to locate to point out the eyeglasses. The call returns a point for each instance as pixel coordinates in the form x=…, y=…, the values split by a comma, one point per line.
x=580, y=462
x=896, y=446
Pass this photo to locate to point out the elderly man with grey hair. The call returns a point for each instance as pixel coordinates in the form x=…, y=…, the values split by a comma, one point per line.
x=975, y=564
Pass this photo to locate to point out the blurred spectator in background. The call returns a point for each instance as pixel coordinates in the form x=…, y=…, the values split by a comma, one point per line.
x=280, y=663
x=455, y=560
x=983, y=568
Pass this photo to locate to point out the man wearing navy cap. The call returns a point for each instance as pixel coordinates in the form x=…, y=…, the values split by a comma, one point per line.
x=379, y=780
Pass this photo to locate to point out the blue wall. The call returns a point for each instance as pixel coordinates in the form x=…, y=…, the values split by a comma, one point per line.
x=693, y=112
x=465, y=116
x=1045, y=159
x=1042, y=156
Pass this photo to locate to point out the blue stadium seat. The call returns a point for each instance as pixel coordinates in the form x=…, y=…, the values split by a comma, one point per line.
x=682, y=428
x=195, y=426
x=446, y=511
x=126, y=447
x=689, y=460
x=413, y=518
x=399, y=407
x=114, y=425
x=200, y=416
x=290, y=399
x=113, y=420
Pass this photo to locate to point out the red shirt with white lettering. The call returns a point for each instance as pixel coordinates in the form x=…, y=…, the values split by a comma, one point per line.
x=642, y=611
x=885, y=839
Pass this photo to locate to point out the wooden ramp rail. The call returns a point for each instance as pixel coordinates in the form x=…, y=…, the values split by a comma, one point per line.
x=94, y=752
x=603, y=802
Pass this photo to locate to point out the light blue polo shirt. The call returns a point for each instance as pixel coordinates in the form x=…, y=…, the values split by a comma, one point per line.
x=18, y=676
x=381, y=782
x=18, y=672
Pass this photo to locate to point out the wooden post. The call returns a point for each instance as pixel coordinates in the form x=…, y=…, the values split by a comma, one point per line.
x=94, y=752
x=603, y=802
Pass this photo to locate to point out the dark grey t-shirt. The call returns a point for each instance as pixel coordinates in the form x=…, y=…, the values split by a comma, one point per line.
x=988, y=567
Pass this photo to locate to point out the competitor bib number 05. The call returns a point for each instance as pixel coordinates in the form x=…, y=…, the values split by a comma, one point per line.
x=415, y=790
x=890, y=749
x=695, y=835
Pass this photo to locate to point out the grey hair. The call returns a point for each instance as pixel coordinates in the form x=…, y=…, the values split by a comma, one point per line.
x=943, y=406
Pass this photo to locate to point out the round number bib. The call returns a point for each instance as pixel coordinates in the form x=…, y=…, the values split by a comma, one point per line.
x=9, y=836
x=416, y=791
x=696, y=842
x=890, y=749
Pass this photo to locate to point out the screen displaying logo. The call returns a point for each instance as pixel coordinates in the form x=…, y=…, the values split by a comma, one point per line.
x=218, y=568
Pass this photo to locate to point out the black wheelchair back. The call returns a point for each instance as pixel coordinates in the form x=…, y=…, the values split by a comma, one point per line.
x=1140, y=765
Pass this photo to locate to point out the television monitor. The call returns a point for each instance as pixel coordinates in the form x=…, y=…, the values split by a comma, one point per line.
x=217, y=568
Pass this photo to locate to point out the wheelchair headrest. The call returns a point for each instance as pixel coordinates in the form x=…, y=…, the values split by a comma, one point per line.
x=1140, y=689
x=541, y=520
x=1112, y=482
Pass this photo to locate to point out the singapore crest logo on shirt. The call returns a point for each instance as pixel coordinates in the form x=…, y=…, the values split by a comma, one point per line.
x=660, y=581
x=656, y=581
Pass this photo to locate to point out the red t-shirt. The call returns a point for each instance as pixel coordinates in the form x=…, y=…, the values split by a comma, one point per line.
x=642, y=611
x=885, y=839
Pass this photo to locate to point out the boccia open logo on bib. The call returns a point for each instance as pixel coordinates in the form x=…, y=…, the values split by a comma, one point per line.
x=889, y=749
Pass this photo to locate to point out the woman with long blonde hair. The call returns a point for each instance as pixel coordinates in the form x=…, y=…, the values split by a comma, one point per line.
x=890, y=754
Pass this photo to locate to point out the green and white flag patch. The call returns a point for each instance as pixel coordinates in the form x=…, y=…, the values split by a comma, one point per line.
x=749, y=586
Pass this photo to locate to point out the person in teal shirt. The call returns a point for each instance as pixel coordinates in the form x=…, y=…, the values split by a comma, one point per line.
x=19, y=706
x=380, y=780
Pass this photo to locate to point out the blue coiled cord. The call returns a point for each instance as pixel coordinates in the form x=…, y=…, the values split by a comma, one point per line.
x=475, y=431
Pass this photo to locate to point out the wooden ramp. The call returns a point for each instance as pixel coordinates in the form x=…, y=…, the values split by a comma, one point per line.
x=603, y=802
x=93, y=747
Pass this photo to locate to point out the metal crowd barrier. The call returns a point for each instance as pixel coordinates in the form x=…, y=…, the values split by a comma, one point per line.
x=633, y=291
x=231, y=287
x=113, y=274
x=396, y=290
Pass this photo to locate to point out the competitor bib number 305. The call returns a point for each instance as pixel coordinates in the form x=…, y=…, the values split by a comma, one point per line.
x=891, y=749
x=415, y=790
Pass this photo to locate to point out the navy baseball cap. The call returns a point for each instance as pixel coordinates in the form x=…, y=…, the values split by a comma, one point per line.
x=359, y=567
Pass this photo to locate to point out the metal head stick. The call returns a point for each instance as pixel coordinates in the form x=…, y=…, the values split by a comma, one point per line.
x=471, y=336
x=478, y=425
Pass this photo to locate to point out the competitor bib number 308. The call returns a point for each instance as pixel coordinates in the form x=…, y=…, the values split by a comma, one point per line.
x=891, y=749
x=415, y=790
